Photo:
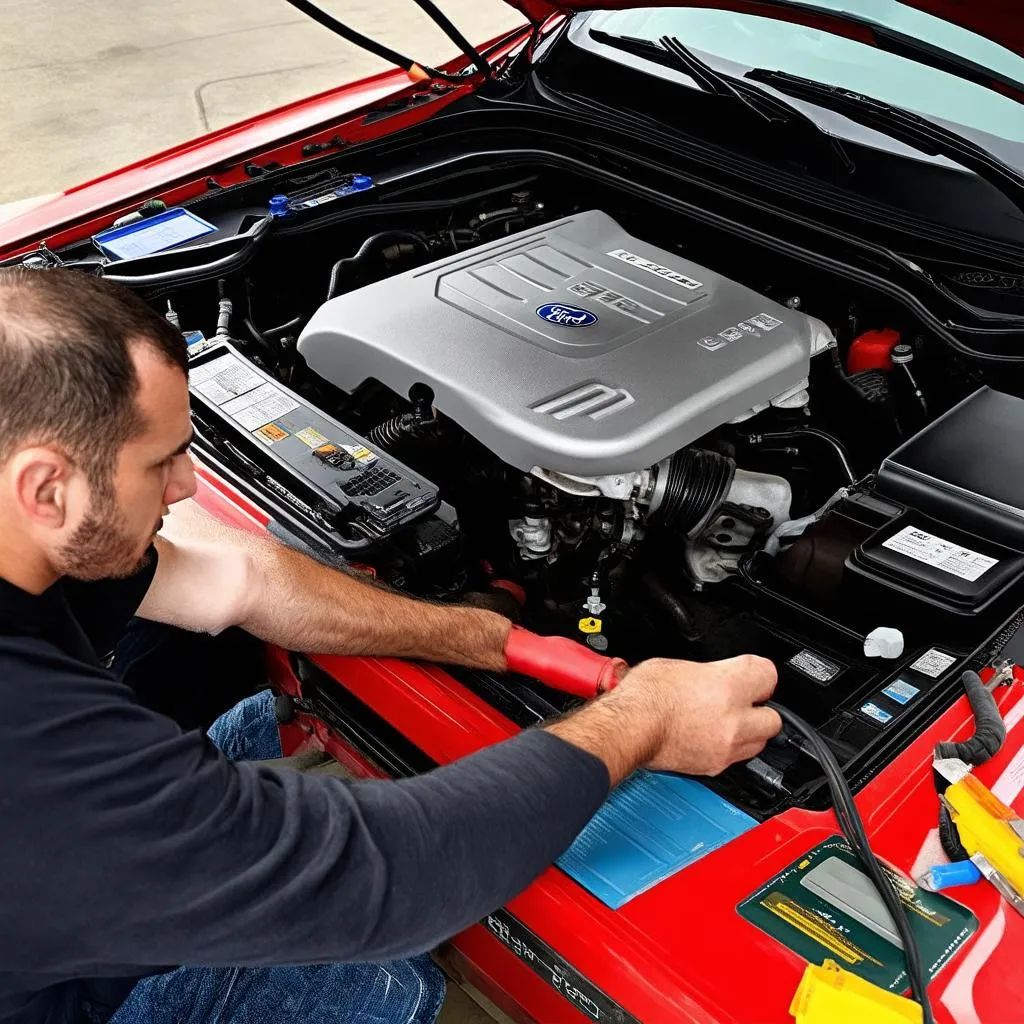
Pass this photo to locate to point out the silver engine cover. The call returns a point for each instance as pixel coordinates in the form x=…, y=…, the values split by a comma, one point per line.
x=573, y=347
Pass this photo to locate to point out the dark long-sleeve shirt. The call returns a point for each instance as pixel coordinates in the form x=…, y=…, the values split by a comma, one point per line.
x=129, y=846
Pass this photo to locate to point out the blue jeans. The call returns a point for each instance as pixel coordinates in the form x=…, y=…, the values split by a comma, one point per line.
x=400, y=992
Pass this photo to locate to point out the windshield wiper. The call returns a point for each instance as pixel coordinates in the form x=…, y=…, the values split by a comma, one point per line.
x=413, y=68
x=898, y=123
x=670, y=52
x=890, y=40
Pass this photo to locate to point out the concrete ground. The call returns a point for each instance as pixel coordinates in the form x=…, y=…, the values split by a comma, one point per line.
x=86, y=87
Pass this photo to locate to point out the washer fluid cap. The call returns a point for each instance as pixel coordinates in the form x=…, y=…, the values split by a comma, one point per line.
x=883, y=642
x=362, y=181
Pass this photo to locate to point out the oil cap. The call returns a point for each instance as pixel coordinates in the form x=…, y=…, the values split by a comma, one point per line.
x=361, y=182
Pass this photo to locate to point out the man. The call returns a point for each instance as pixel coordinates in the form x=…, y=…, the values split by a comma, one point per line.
x=132, y=847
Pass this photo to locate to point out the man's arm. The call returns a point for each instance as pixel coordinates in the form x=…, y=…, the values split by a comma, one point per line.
x=210, y=576
x=142, y=846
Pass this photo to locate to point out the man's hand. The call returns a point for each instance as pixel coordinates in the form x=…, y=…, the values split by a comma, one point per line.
x=679, y=716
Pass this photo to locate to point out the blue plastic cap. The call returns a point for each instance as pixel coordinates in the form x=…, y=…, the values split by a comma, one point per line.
x=362, y=181
x=279, y=206
x=960, y=872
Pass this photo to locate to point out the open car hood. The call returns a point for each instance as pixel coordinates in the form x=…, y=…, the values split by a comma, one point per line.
x=997, y=20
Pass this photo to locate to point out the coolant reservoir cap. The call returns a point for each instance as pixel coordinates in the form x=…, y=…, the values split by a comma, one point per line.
x=278, y=206
x=883, y=642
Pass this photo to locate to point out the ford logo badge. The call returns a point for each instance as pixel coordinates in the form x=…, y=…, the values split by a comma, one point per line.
x=566, y=316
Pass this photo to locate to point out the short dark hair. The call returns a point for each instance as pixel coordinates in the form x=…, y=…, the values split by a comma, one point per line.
x=66, y=370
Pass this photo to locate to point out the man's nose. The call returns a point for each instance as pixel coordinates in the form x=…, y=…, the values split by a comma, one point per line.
x=182, y=482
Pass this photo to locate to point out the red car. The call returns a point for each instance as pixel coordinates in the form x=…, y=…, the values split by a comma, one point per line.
x=680, y=331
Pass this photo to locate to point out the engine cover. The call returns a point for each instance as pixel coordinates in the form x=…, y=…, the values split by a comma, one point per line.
x=574, y=347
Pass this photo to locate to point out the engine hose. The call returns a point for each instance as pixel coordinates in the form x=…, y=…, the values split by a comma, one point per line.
x=390, y=433
x=872, y=386
x=798, y=432
x=401, y=429
x=368, y=248
x=696, y=484
x=673, y=608
x=990, y=729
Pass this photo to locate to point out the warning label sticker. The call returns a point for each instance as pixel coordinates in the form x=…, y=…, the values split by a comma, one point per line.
x=223, y=379
x=240, y=391
x=360, y=453
x=665, y=273
x=271, y=433
x=933, y=663
x=259, y=406
x=940, y=554
x=901, y=691
x=815, y=666
x=312, y=438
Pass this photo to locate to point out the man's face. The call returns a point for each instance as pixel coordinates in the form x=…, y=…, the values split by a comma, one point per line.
x=153, y=471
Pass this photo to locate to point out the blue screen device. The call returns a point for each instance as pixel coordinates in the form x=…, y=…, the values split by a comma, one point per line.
x=153, y=234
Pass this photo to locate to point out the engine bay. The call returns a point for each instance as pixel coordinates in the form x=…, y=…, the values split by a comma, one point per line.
x=604, y=420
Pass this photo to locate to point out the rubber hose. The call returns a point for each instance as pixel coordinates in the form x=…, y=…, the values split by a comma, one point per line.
x=872, y=386
x=388, y=434
x=367, y=249
x=698, y=482
x=673, y=608
x=990, y=729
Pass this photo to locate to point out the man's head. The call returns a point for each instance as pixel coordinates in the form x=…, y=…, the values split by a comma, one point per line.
x=94, y=423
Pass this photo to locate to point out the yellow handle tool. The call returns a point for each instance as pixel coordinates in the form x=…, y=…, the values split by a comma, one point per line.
x=991, y=833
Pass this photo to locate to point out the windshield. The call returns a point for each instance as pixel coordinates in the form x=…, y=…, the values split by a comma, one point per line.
x=86, y=88
x=754, y=41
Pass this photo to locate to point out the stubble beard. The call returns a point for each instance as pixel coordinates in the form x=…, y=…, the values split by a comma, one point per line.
x=102, y=546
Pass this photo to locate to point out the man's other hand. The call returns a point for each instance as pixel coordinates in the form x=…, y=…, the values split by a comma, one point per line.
x=679, y=716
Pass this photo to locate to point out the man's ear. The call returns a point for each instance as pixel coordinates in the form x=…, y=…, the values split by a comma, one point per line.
x=40, y=479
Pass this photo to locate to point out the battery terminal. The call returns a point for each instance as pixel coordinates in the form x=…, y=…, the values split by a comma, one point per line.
x=1003, y=675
